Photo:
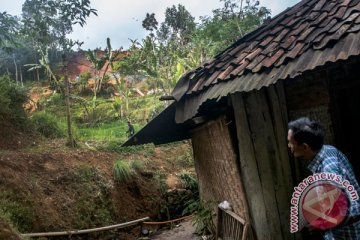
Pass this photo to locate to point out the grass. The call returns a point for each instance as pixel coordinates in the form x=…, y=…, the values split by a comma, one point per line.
x=106, y=128
x=114, y=131
x=137, y=165
x=185, y=159
x=93, y=202
x=48, y=125
x=122, y=171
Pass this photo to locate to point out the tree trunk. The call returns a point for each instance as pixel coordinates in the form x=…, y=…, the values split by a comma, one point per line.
x=71, y=141
x=16, y=70
x=21, y=77
x=37, y=75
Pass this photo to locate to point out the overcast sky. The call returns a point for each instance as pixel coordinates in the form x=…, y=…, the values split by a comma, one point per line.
x=121, y=19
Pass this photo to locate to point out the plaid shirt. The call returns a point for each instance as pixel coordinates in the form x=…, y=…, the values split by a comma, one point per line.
x=331, y=160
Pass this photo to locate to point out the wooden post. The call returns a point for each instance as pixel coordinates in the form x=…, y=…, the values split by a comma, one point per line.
x=264, y=161
x=218, y=223
x=249, y=169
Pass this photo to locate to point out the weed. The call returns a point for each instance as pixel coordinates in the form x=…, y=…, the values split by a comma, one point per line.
x=113, y=133
x=48, y=125
x=189, y=181
x=122, y=171
x=15, y=211
x=12, y=97
x=186, y=159
x=203, y=216
x=137, y=165
x=55, y=99
x=147, y=150
x=93, y=205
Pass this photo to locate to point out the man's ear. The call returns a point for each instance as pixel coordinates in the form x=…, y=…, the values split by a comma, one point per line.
x=306, y=146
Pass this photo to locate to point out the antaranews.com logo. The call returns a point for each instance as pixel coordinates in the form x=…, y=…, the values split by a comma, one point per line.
x=321, y=200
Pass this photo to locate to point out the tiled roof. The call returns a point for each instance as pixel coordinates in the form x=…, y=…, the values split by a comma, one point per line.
x=308, y=35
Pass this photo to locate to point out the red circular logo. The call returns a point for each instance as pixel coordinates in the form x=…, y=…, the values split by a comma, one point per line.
x=324, y=206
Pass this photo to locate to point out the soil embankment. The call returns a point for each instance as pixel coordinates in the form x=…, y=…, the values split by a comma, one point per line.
x=50, y=187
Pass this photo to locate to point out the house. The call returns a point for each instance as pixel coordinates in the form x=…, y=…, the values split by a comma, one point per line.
x=235, y=109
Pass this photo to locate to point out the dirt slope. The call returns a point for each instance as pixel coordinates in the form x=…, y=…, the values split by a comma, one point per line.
x=57, y=188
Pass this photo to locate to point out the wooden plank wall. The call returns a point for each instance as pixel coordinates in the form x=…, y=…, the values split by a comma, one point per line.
x=261, y=122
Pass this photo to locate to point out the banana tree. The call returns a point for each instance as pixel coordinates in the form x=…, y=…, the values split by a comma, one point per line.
x=101, y=65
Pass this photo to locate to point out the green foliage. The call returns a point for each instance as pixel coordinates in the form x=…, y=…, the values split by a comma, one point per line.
x=189, y=181
x=12, y=97
x=137, y=165
x=56, y=100
x=82, y=84
x=229, y=23
x=160, y=177
x=150, y=23
x=112, y=132
x=186, y=159
x=93, y=206
x=16, y=211
x=94, y=112
x=8, y=28
x=48, y=22
x=48, y=125
x=122, y=171
x=203, y=216
x=178, y=25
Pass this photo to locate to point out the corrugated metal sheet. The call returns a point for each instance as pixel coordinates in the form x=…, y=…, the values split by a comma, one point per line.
x=162, y=129
x=302, y=38
x=310, y=60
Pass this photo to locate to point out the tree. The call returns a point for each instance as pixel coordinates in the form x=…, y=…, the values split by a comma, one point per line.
x=178, y=25
x=158, y=54
x=101, y=63
x=231, y=22
x=150, y=23
x=178, y=45
x=8, y=29
x=47, y=23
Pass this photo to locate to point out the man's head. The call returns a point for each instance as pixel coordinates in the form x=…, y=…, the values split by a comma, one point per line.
x=305, y=138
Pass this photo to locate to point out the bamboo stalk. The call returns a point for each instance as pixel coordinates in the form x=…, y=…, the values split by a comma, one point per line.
x=73, y=232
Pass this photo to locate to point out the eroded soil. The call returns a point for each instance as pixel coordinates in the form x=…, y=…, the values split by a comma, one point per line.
x=58, y=188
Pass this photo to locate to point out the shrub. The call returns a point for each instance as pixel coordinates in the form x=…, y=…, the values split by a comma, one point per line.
x=189, y=181
x=203, y=216
x=82, y=83
x=48, y=125
x=122, y=171
x=185, y=159
x=12, y=98
x=15, y=211
x=55, y=99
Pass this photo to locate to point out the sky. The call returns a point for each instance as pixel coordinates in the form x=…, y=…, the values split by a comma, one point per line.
x=120, y=20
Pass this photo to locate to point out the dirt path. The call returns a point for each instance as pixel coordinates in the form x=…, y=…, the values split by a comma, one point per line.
x=185, y=231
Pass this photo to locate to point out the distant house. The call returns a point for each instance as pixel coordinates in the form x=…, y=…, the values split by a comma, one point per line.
x=235, y=108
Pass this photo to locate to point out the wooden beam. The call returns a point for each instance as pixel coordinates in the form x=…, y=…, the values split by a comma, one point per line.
x=249, y=170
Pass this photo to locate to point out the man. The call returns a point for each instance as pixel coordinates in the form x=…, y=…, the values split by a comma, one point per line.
x=306, y=140
x=131, y=130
